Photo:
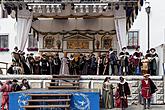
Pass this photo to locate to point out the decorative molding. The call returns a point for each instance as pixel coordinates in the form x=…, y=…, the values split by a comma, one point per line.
x=32, y=49
x=82, y=50
x=49, y=50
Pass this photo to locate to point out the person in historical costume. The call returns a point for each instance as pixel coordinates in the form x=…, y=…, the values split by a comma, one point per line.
x=72, y=65
x=123, y=56
x=107, y=94
x=64, y=69
x=16, y=62
x=147, y=89
x=14, y=69
x=24, y=66
x=154, y=59
x=145, y=66
x=145, y=63
x=44, y=65
x=123, y=91
x=51, y=65
x=57, y=64
x=5, y=89
x=86, y=67
x=137, y=55
x=106, y=64
x=113, y=66
x=24, y=85
x=22, y=61
x=81, y=63
x=148, y=54
x=30, y=61
x=36, y=66
x=15, y=86
x=131, y=69
x=100, y=66
x=93, y=65
x=76, y=64
x=16, y=57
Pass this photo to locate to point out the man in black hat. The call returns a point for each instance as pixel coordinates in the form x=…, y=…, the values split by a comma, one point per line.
x=30, y=61
x=16, y=49
x=81, y=63
x=57, y=64
x=124, y=92
x=44, y=65
x=123, y=56
x=93, y=65
x=15, y=85
x=153, y=61
x=137, y=55
x=113, y=62
x=16, y=57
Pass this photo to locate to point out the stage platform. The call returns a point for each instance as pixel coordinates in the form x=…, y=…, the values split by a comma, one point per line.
x=81, y=99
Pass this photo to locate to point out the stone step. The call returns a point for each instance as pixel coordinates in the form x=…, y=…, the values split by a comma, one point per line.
x=45, y=106
x=63, y=87
x=49, y=100
x=63, y=82
x=66, y=76
x=48, y=95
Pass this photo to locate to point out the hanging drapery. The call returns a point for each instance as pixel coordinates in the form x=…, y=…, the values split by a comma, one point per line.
x=120, y=26
x=118, y=33
x=23, y=27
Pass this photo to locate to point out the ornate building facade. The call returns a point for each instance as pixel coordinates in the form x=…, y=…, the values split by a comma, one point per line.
x=72, y=26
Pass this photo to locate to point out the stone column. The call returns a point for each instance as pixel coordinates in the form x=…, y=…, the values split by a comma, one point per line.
x=1, y=11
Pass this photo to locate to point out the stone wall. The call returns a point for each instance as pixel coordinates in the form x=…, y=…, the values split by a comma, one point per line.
x=95, y=82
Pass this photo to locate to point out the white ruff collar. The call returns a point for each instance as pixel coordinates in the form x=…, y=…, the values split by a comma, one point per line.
x=123, y=82
x=71, y=58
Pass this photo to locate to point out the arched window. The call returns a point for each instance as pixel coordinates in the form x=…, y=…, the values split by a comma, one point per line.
x=106, y=42
x=49, y=42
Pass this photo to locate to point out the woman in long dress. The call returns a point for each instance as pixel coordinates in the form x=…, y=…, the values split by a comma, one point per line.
x=64, y=69
x=108, y=94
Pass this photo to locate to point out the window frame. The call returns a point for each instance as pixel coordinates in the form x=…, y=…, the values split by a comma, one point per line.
x=135, y=39
x=32, y=47
x=7, y=39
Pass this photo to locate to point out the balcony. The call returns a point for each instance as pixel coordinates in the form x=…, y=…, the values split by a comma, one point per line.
x=70, y=1
x=73, y=8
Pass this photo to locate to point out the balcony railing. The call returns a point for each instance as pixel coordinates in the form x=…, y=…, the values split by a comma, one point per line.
x=69, y=1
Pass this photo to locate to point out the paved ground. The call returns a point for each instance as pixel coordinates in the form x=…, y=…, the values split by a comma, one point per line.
x=140, y=107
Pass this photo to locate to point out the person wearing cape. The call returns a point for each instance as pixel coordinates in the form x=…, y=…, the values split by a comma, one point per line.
x=147, y=89
x=121, y=94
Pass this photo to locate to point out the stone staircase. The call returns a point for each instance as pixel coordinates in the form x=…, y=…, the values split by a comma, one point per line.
x=64, y=82
x=48, y=102
x=54, y=101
